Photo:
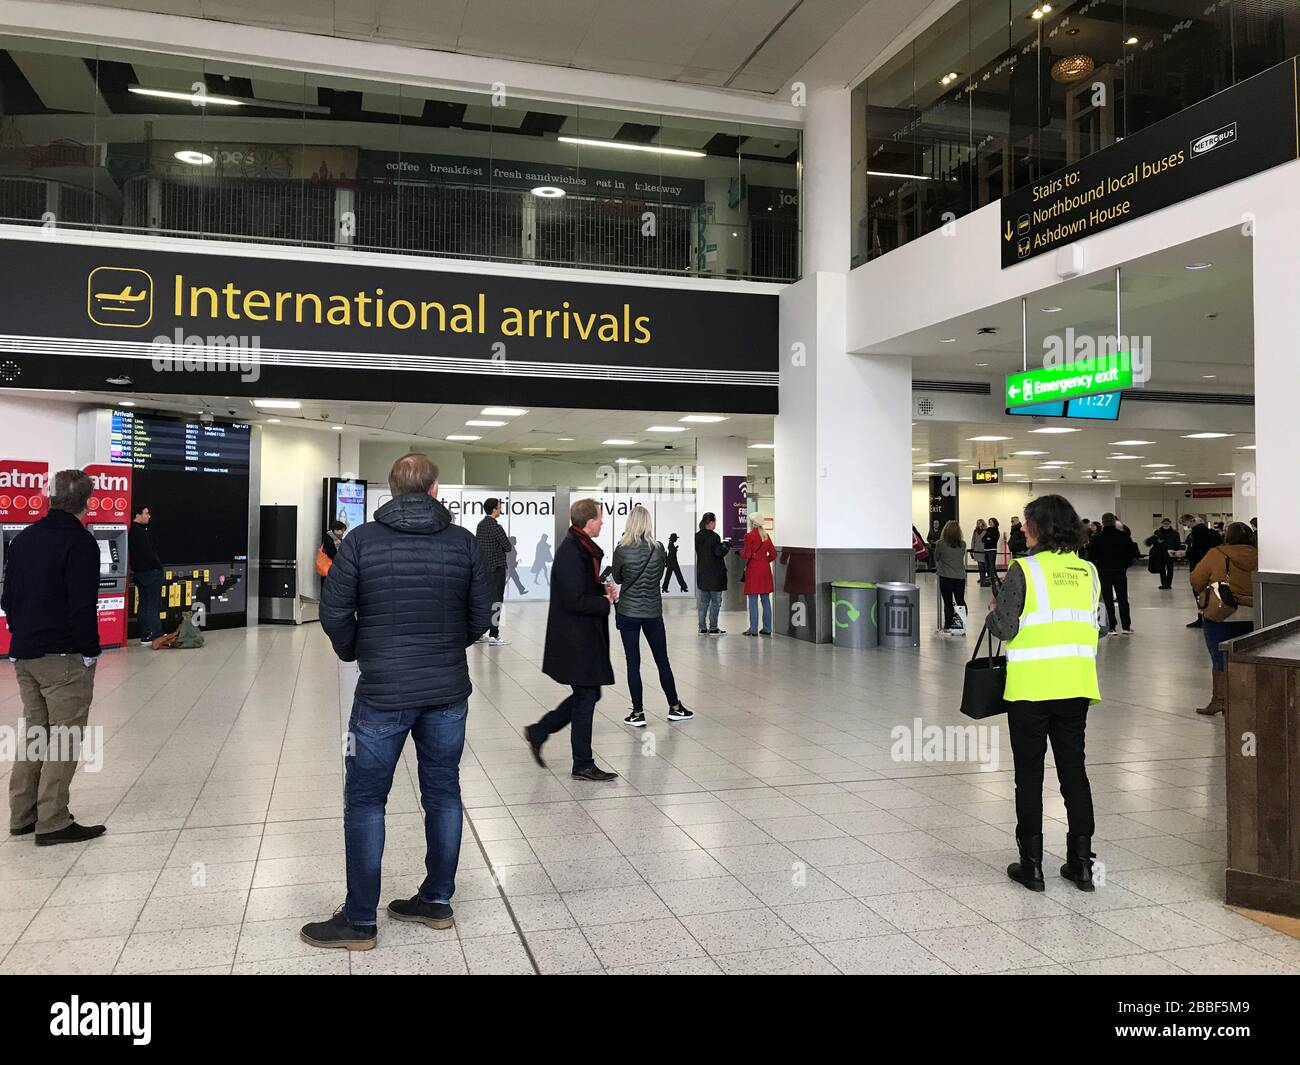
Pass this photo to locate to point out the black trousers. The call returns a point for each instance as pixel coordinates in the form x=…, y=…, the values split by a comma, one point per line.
x=674, y=570
x=1167, y=575
x=1032, y=724
x=576, y=711
x=953, y=590
x=1114, y=585
x=497, y=577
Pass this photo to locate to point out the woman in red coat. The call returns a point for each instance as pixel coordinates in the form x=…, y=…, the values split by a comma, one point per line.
x=758, y=553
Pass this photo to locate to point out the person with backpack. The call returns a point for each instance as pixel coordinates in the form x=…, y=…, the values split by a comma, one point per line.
x=639, y=562
x=1223, y=582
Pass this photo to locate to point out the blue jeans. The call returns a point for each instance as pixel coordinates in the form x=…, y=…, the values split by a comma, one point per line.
x=656, y=636
x=1217, y=632
x=708, y=603
x=753, y=611
x=376, y=740
x=149, y=583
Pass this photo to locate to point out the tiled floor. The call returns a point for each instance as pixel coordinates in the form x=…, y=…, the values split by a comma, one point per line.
x=775, y=833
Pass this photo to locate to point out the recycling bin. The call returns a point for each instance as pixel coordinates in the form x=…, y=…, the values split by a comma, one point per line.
x=898, y=614
x=853, y=614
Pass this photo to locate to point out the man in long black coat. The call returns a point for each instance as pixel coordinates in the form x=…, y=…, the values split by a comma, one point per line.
x=577, y=639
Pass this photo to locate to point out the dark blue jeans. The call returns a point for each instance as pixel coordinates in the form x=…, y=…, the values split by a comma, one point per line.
x=655, y=635
x=149, y=583
x=376, y=738
x=1217, y=632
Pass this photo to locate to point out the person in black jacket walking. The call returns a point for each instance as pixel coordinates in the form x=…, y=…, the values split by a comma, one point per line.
x=1200, y=538
x=496, y=548
x=577, y=639
x=51, y=591
x=1112, y=551
x=146, y=573
x=710, y=574
x=407, y=593
x=673, y=568
x=1162, y=543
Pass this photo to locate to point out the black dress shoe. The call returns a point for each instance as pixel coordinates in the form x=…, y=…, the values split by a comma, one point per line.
x=74, y=833
x=592, y=773
x=23, y=831
x=536, y=748
x=336, y=932
x=433, y=914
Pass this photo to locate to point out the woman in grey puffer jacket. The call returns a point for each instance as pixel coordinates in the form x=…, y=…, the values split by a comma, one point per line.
x=638, y=570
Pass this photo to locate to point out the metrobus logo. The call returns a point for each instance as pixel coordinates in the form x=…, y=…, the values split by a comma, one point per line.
x=22, y=479
x=108, y=482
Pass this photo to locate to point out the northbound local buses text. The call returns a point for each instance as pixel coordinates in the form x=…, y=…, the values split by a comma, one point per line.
x=1101, y=214
x=371, y=309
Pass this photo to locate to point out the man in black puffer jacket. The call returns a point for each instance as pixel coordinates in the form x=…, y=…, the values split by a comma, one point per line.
x=407, y=593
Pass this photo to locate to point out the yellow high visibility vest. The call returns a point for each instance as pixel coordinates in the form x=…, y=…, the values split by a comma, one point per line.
x=1054, y=654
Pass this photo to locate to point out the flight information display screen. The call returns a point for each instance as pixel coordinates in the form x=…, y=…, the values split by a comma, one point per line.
x=178, y=445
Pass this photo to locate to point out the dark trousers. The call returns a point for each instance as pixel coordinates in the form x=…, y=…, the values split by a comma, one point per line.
x=1167, y=575
x=149, y=584
x=497, y=577
x=577, y=712
x=674, y=570
x=376, y=738
x=1032, y=724
x=656, y=636
x=1217, y=632
x=1114, y=585
x=953, y=590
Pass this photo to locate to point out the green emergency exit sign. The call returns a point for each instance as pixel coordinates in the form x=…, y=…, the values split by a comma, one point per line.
x=1068, y=382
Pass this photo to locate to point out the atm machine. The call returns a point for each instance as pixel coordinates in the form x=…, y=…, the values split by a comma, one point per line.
x=108, y=517
x=24, y=499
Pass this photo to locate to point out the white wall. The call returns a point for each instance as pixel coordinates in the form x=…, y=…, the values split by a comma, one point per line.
x=39, y=430
x=1004, y=501
x=294, y=464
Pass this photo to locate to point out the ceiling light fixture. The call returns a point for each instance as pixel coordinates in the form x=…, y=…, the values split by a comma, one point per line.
x=1131, y=41
x=463, y=436
x=703, y=419
x=1130, y=443
x=629, y=146
x=1208, y=376
x=666, y=429
x=126, y=403
x=548, y=192
x=503, y=412
x=907, y=177
x=616, y=442
x=481, y=423
x=761, y=447
x=1031, y=452
x=1207, y=436
x=194, y=158
x=277, y=404
x=337, y=428
x=199, y=99
x=947, y=340
x=1157, y=465
x=985, y=439
x=1071, y=68
x=1051, y=310
x=1054, y=430
x=1198, y=266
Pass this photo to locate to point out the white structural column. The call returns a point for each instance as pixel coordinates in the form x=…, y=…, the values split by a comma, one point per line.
x=843, y=461
x=1245, y=486
x=717, y=457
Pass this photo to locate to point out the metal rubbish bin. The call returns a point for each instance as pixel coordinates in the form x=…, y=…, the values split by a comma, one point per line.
x=853, y=614
x=898, y=613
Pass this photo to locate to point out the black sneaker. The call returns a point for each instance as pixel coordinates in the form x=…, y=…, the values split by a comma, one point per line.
x=765, y=632
x=592, y=773
x=74, y=833
x=704, y=632
x=637, y=719
x=433, y=914
x=336, y=932
x=717, y=632
x=679, y=713
x=536, y=748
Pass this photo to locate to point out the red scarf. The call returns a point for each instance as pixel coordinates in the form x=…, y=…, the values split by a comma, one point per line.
x=591, y=547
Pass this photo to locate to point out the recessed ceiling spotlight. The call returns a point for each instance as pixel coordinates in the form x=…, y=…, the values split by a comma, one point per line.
x=1206, y=436
x=1130, y=443
x=463, y=436
x=703, y=419
x=337, y=428
x=1054, y=430
x=126, y=403
x=947, y=340
x=273, y=421
x=1157, y=465
x=1051, y=310
x=565, y=439
x=1208, y=376
x=503, y=412
x=548, y=192
x=1122, y=458
x=985, y=439
x=616, y=442
x=981, y=364
x=1131, y=41
x=1030, y=452
x=484, y=424
x=666, y=429
x=1197, y=266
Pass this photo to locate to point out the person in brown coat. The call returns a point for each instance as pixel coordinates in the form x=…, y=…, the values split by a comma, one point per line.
x=1233, y=562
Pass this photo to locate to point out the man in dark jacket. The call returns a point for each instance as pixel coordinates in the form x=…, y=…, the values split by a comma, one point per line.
x=407, y=593
x=1112, y=551
x=146, y=573
x=495, y=547
x=1162, y=542
x=710, y=574
x=1017, y=544
x=50, y=600
x=1200, y=538
x=577, y=639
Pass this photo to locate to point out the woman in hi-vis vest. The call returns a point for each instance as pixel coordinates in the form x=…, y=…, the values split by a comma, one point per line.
x=1047, y=615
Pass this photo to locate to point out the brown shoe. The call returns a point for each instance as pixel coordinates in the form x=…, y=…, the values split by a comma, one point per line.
x=1217, y=696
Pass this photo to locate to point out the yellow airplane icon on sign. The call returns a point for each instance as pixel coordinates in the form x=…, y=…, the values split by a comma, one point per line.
x=127, y=295
x=119, y=296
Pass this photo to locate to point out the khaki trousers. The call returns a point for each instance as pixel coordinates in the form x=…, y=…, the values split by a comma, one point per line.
x=56, y=691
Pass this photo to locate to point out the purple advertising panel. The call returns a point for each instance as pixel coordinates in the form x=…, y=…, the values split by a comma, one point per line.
x=735, y=507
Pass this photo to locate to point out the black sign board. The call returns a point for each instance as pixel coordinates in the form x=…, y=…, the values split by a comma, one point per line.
x=269, y=324
x=1241, y=131
x=943, y=499
x=990, y=476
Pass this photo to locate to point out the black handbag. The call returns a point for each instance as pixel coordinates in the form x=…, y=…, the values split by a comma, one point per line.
x=985, y=685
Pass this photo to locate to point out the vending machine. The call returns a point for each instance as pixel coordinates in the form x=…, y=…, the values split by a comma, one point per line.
x=24, y=499
x=108, y=517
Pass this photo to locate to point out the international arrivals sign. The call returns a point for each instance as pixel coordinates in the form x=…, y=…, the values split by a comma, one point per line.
x=1241, y=131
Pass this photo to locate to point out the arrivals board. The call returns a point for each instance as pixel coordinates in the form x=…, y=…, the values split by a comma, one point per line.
x=1241, y=131
x=178, y=445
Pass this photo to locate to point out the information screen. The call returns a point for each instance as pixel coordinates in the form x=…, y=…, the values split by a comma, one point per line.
x=1104, y=407
x=151, y=442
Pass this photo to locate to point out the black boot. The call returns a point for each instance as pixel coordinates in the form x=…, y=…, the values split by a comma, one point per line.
x=1078, y=862
x=1029, y=870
